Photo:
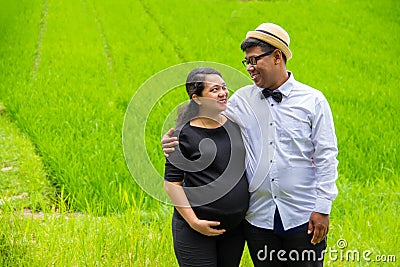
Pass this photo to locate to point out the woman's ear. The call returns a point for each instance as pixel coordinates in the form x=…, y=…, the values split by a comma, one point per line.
x=196, y=99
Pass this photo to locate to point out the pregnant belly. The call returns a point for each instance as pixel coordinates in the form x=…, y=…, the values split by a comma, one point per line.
x=230, y=209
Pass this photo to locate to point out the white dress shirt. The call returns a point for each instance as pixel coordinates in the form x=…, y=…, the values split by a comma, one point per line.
x=291, y=152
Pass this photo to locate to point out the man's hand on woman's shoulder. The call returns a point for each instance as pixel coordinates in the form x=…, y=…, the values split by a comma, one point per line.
x=168, y=142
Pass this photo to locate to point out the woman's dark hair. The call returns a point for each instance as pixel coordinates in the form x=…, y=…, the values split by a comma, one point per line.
x=194, y=85
x=265, y=47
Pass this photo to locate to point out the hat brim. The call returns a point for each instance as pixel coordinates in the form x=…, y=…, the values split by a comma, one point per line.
x=272, y=41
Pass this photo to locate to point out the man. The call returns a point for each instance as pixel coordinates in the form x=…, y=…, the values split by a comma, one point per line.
x=291, y=151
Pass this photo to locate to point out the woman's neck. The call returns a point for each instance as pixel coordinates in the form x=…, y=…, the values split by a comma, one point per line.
x=208, y=120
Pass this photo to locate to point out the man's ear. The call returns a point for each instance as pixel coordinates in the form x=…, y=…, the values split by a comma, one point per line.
x=196, y=99
x=278, y=56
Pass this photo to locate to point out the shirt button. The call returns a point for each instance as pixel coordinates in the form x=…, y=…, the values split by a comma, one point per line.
x=270, y=161
x=272, y=105
x=270, y=123
x=272, y=179
x=270, y=143
x=274, y=196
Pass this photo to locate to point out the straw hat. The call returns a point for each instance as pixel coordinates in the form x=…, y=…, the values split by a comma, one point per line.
x=274, y=35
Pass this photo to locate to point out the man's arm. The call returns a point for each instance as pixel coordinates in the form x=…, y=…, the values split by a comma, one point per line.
x=325, y=153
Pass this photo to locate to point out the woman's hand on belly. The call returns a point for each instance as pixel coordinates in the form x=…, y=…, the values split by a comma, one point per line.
x=205, y=227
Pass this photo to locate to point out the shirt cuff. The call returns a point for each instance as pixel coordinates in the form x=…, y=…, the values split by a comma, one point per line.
x=323, y=206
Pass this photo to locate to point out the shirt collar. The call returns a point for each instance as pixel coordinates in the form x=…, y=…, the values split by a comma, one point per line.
x=286, y=87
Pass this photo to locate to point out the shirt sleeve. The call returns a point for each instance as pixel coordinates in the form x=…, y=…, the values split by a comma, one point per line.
x=325, y=154
x=231, y=111
x=172, y=173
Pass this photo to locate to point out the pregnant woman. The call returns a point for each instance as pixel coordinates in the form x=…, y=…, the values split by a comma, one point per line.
x=205, y=177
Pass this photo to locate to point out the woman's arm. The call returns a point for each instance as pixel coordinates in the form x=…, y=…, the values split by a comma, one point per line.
x=182, y=205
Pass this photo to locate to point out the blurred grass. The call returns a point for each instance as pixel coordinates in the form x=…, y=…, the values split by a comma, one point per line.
x=131, y=239
x=70, y=88
x=23, y=179
x=69, y=70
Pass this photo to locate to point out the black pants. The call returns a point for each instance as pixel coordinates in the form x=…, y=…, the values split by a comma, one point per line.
x=195, y=249
x=279, y=248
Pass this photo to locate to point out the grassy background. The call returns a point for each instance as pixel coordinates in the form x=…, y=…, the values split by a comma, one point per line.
x=69, y=70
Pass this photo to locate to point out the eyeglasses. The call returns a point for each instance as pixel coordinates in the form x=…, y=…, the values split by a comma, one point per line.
x=253, y=60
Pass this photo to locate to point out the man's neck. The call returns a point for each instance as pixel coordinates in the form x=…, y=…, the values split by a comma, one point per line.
x=283, y=77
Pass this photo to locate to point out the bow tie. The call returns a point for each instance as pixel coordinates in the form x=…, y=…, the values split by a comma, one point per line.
x=277, y=96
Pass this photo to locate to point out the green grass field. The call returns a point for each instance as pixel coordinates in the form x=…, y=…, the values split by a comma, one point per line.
x=69, y=70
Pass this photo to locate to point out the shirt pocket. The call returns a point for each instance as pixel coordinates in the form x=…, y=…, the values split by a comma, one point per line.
x=295, y=137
